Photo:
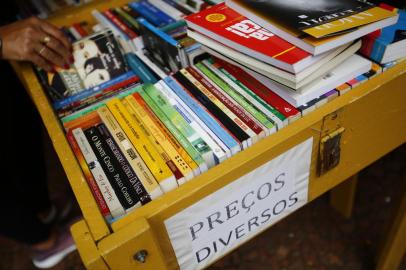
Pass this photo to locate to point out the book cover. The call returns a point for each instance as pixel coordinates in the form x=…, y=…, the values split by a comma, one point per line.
x=365, y=22
x=162, y=47
x=302, y=14
x=98, y=59
x=227, y=26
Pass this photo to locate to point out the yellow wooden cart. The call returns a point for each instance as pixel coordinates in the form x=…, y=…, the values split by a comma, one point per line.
x=372, y=115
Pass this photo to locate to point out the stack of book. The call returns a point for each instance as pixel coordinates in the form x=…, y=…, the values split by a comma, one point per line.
x=158, y=95
x=299, y=51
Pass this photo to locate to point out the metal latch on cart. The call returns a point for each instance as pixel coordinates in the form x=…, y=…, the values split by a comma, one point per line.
x=330, y=143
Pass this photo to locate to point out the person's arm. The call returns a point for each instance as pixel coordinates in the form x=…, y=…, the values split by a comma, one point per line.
x=36, y=41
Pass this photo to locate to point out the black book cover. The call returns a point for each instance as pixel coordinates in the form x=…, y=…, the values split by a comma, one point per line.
x=302, y=14
x=98, y=58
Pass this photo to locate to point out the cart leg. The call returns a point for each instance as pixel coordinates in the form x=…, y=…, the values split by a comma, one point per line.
x=394, y=245
x=342, y=196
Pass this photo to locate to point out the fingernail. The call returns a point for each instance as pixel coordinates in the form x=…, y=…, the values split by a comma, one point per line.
x=65, y=66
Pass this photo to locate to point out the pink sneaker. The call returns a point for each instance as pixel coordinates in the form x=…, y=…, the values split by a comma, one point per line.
x=49, y=258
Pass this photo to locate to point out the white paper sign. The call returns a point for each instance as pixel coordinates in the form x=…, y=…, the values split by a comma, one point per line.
x=205, y=231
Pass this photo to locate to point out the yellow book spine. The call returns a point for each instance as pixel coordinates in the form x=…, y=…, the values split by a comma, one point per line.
x=159, y=137
x=148, y=153
x=132, y=156
x=171, y=165
x=182, y=152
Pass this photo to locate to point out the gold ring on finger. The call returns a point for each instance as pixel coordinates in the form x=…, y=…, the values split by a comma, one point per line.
x=46, y=40
x=42, y=50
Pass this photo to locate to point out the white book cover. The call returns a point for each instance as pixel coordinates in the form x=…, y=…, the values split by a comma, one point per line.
x=352, y=67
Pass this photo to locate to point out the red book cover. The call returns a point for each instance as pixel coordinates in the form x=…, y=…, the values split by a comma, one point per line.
x=261, y=90
x=231, y=28
x=88, y=175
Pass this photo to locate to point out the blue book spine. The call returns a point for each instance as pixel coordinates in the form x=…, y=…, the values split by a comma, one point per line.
x=228, y=140
x=158, y=32
x=147, y=14
x=157, y=12
x=59, y=104
x=140, y=69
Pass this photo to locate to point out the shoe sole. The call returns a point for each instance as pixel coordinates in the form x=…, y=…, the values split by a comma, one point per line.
x=55, y=259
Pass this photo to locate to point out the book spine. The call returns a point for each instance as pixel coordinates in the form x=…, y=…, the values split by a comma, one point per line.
x=165, y=18
x=106, y=23
x=126, y=19
x=218, y=78
x=263, y=92
x=170, y=94
x=91, y=91
x=219, y=104
x=158, y=167
x=101, y=202
x=94, y=107
x=231, y=104
x=147, y=14
x=125, y=13
x=234, y=129
x=189, y=162
x=184, y=9
x=194, y=154
x=215, y=126
x=119, y=24
x=168, y=9
x=158, y=32
x=190, y=120
x=140, y=68
x=180, y=123
x=278, y=118
x=145, y=176
x=131, y=82
x=169, y=162
x=129, y=176
x=109, y=195
x=126, y=195
x=82, y=32
x=158, y=71
x=158, y=135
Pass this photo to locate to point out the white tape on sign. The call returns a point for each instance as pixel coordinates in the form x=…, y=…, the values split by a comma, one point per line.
x=208, y=229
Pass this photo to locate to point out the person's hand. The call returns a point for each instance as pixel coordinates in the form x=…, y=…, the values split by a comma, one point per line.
x=36, y=41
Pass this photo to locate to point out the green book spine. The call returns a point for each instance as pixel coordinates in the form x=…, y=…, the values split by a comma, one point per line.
x=263, y=119
x=193, y=153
